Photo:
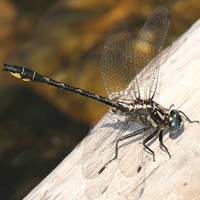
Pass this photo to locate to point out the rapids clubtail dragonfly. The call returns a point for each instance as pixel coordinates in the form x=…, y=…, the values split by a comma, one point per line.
x=133, y=111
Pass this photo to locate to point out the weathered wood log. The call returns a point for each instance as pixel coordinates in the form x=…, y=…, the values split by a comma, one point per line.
x=175, y=178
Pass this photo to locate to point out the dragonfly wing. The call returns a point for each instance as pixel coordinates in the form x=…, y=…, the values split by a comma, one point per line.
x=99, y=149
x=147, y=51
x=133, y=172
x=132, y=160
x=117, y=59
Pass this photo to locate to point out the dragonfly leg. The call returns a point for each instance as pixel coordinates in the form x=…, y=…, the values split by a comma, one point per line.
x=147, y=140
x=117, y=146
x=187, y=118
x=161, y=142
x=171, y=107
x=124, y=138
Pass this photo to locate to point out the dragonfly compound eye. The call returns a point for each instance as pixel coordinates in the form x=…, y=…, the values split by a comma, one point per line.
x=174, y=126
x=173, y=113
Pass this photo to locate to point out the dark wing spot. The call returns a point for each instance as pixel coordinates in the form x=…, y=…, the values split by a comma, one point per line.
x=101, y=170
x=139, y=169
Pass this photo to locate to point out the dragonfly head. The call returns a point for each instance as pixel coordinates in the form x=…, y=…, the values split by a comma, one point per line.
x=175, y=121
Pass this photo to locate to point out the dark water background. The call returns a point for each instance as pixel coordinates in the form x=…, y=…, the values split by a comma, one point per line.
x=40, y=125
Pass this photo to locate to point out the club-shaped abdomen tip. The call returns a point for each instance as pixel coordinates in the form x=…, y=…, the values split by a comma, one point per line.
x=6, y=67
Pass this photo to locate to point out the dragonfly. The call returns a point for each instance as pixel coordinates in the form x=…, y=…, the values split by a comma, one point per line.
x=134, y=118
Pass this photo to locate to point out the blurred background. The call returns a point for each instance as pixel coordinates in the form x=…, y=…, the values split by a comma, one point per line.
x=40, y=125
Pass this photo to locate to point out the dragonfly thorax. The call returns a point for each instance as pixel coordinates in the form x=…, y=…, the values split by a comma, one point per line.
x=129, y=108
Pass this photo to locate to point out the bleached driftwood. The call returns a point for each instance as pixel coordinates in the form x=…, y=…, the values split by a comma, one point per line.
x=175, y=178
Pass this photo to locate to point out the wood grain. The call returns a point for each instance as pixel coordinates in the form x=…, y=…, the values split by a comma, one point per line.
x=175, y=178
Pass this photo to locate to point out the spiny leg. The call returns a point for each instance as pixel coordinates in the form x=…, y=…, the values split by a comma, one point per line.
x=161, y=142
x=148, y=139
x=187, y=118
x=170, y=107
x=117, y=147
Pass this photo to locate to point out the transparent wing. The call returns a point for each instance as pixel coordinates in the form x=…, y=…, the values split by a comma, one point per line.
x=117, y=59
x=132, y=158
x=132, y=176
x=132, y=151
x=99, y=148
x=147, y=52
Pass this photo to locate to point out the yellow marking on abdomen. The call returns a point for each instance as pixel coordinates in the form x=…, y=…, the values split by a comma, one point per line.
x=17, y=75
x=26, y=79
